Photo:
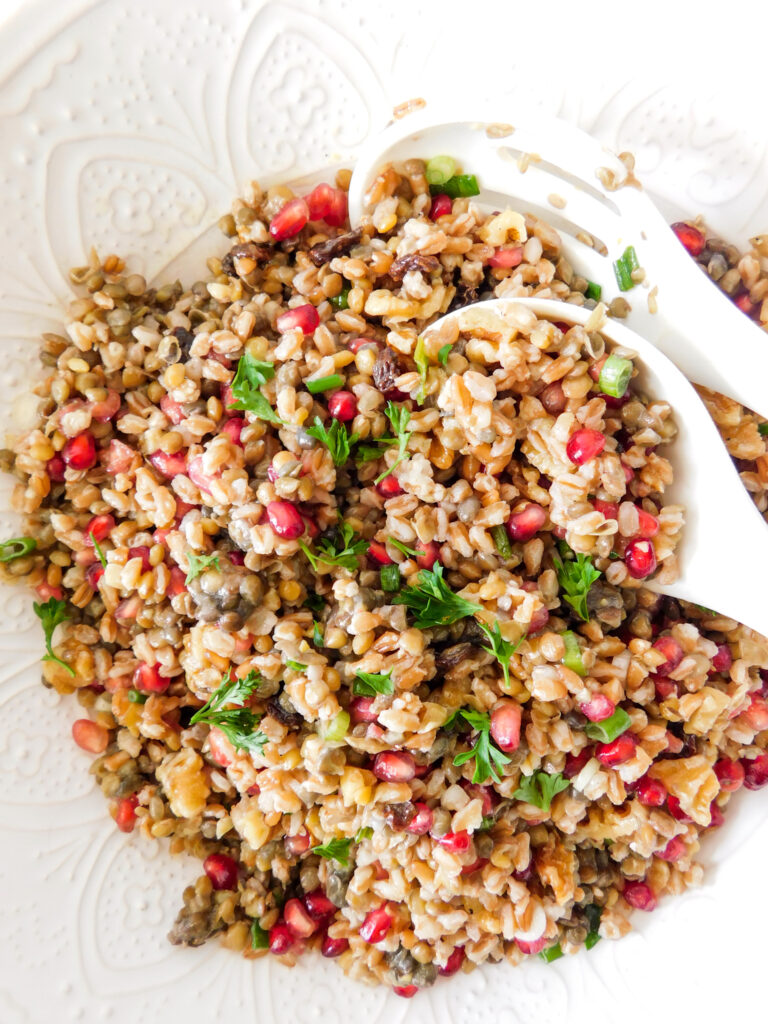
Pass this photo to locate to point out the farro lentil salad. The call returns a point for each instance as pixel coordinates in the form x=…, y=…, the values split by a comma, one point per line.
x=356, y=613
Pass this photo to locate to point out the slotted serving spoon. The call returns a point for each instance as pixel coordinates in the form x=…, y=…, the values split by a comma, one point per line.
x=722, y=553
x=696, y=324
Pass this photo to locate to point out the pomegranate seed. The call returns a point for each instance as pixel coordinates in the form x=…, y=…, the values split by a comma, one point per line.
x=525, y=523
x=553, y=398
x=125, y=817
x=141, y=552
x=220, y=748
x=118, y=457
x=674, y=850
x=422, y=821
x=755, y=771
x=360, y=709
x=357, y=343
x=80, y=452
x=532, y=948
x=342, y=405
x=609, y=509
x=233, y=428
x=640, y=558
x=596, y=368
x=376, y=925
x=169, y=465
x=172, y=409
x=318, y=905
x=674, y=808
x=456, y=842
x=389, y=487
x=672, y=651
x=55, y=468
x=332, y=948
x=730, y=774
x=298, y=844
x=756, y=715
x=177, y=584
x=744, y=303
x=93, y=574
x=651, y=792
x=319, y=200
x=648, y=525
x=289, y=220
x=477, y=865
x=90, y=736
x=453, y=963
x=281, y=939
x=505, y=724
x=539, y=620
x=723, y=660
x=105, y=410
x=575, y=762
x=147, y=678
x=46, y=591
x=629, y=473
x=506, y=257
x=394, y=766
x=100, y=527
x=441, y=205
x=431, y=554
x=374, y=731
x=221, y=870
x=584, y=445
x=298, y=919
x=378, y=553
x=664, y=687
x=598, y=707
x=285, y=519
x=716, y=816
x=618, y=751
x=337, y=212
x=129, y=608
x=691, y=237
x=305, y=318
x=406, y=991
x=639, y=895
x=484, y=793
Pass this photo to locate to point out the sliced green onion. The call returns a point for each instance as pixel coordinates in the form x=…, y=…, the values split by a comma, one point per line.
x=259, y=937
x=136, y=697
x=762, y=429
x=501, y=540
x=624, y=266
x=443, y=354
x=607, y=730
x=551, y=953
x=341, y=301
x=615, y=376
x=336, y=729
x=440, y=169
x=572, y=658
x=594, y=291
x=364, y=833
x=458, y=187
x=593, y=913
x=297, y=666
x=591, y=940
x=315, y=387
x=390, y=578
x=15, y=548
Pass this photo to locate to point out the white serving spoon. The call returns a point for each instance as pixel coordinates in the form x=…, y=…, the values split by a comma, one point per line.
x=696, y=324
x=722, y=554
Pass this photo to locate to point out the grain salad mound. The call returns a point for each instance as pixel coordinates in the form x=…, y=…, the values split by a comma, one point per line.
x=356, y=609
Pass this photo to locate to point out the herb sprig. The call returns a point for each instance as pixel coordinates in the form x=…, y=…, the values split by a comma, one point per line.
x=576, y=577
x=399, y=417
x=199, y=563
x=410, y=552
x=341, y=551
x=100, y=554
x=371, y=684
x=237, y=724
x=335, y=438
x=433, y=602
x=488, y=757
x=251, y=375
x=52, y=614
x=540, y=788
x=501, y=649
x=335, y=849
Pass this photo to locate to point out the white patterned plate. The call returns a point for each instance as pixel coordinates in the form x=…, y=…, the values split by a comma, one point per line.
x=130, y=126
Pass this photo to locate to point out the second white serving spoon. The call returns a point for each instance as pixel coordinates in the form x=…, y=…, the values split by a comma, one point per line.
x=722, y=553
x=550, y=168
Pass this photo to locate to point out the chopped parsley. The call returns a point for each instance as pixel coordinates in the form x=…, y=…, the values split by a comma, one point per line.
x=363, y=833
x=317, y=634
x=246, y=388
x=488, y=758
x=335, y=438
x=341, y=550
x=238, y=723
x=443, y=354
x=433, y=602
x=370, y=684
x=399, y=417
x=593, y=913
x=199, y=563
x=101, y=556
x=576, y=577
x=540, y=788
x=410, y=552
x=51, y=614
x=501, y=649
x=335, y=849
x=315, y=603
x=297, y=666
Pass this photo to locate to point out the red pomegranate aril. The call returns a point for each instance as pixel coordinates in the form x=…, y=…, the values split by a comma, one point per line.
x=233, y=428
x=147, y=678
x=319, y=200
x=125, y=816
x=505, y=725
x=674, y=850
x=220, y=748
x=281, y=938
x=45, y=591
x=298, y=844
x=693, y=240
x=664, y=687
x=378, y=553
x=169, y=465
x=221, y=870
x=456, y=842
x=575, y=762
x=648, y=525
x=539, y=620
x=55, y=469
x=441, y=205
x=756, y=715
x=142, y=552
x=172, y=409
x=80, y=452
x=610, y=509
x=318, y=905
x=618, y=751
x=177, y=583
x=103, y=411
x=674, y=808
x=422, y=821
x=526, y=522
x=598, y=707
x=453, y=963
x=596, y=368
x=389, y=487
x=755, y=771
x=651, y=792
x=304, y=318
x=298, y=919
x=342, y=405
x=430, y=554
x=360, y=709
x=640, y=558
x=629, y=473
x=331, y=948
x=98, y=529
x=406, y=991
x=506, y=257
x=90, y=736
x=532, y=948
x=672, y=651
x=285, y=519
x=337, y=209
x=376, y=925
x=730, y=774
x=93, y=574
x=357, y=343
x=723, y=660
x=289, y=220
x=744, y=303
x=477, y=792
x=394, y=766
x=716, y=816
x=639, y=895
x=476, y=865
x=584, y=445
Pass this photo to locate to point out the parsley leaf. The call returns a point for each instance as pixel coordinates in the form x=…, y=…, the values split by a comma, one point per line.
x=341, y=551
x=368, y=452
x=370, y=684
x=501, y=649
x=335, y=438
x=51, y=614
x=539, y=789
x=576, y=577
x=410, y=552
x=363, y=833
x=317, y=634
x=399, y=416
x=433, y=602
x=443, y=354
x=251, y=374
x=334, y=849
x=487, y=755
x=199, y=563
x=297, y=666
x=102, y=557
x=593, y=913
x=237, y=724
x=421, y=359
x=315, y=603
